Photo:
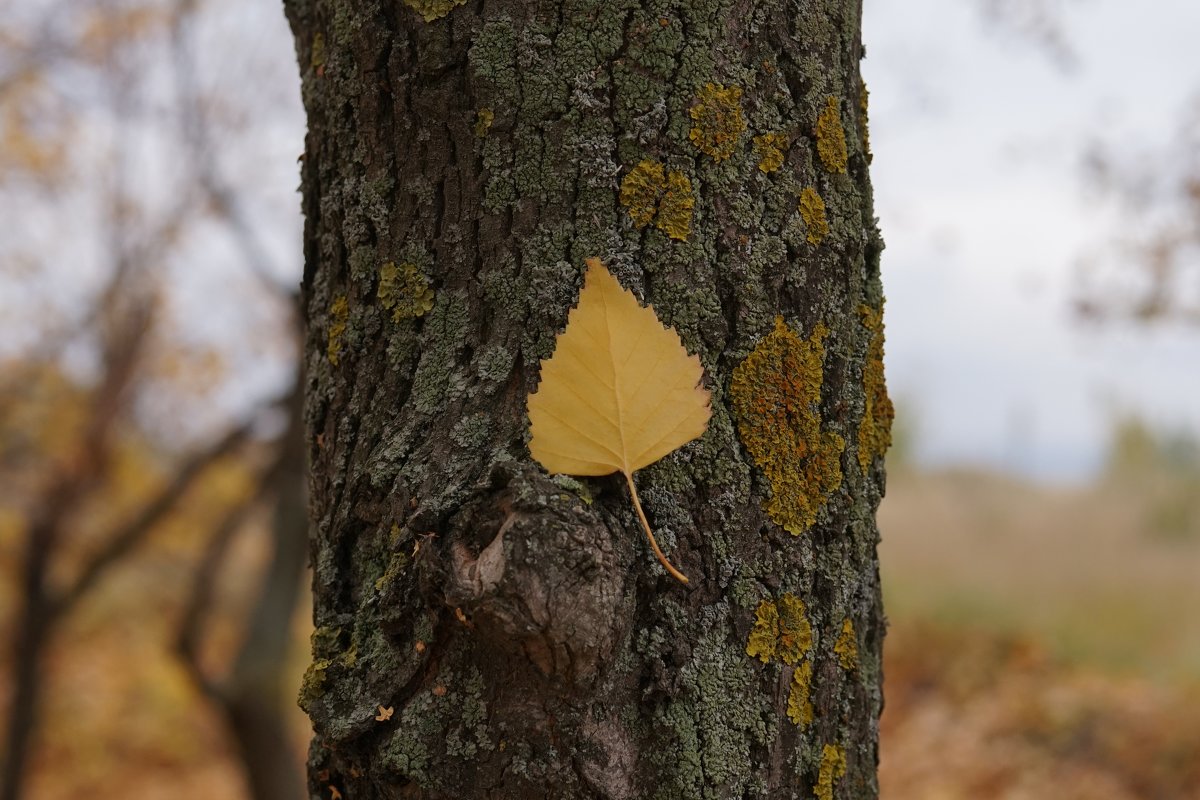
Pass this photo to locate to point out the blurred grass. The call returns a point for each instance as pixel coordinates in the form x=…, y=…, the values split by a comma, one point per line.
x=1044, y=641
x=1084, y=570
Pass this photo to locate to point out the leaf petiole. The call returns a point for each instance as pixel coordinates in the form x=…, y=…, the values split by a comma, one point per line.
x=679, y=576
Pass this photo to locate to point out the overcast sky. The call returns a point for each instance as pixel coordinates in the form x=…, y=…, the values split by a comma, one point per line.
x=978, y=138
x=979, y=135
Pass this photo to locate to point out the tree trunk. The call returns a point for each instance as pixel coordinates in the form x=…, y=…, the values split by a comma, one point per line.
x=487, y=630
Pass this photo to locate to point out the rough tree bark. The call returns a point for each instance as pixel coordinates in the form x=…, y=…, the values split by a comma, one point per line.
x=484, y=629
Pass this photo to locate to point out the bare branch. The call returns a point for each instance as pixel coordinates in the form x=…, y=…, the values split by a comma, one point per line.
x=191, y=626
x=206, y=172
x=132, y=533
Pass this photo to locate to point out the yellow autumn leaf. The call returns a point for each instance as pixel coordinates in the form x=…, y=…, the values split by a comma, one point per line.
x=619, y=392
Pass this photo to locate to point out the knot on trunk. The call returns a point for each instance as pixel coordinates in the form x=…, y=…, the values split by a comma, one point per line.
x=534, y=569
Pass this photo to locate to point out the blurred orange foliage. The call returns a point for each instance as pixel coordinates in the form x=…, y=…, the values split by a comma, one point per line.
x=119, y=708
x=978, y=715
x=1043, y=644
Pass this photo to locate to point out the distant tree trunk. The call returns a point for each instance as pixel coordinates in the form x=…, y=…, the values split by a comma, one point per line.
x=484, y=629
x=254, y=692
x=251, y=694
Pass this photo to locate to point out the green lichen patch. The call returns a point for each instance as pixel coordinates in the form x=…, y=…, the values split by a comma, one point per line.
x=831, y=137
x=438, y=378
x=776, y=394
x=651, y=194
x=717, y=120
x=833, y=768
x=799, y=704
x=324, y=640
x=846, y=647
x=472, y=431
x=493, y=61
x=875, y=429
x=433, y=9
x=812, y=211
x=339, y=317
x=707, y=736
x=483, y=122
x=406, y=751
x=769, y=148
x=404, y=290
x=781, y=631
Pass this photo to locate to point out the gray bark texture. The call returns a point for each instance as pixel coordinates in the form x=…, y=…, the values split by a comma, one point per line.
x=484, y=629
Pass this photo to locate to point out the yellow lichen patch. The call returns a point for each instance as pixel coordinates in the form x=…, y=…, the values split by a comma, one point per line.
x=433, y=9
x=769, y=149
x=795, y=634
x=339, y=316
x=483, y=122
x=831, y=138
x=799, y=706
x=875, y=430
x=776, y=395
x=312, y=685
x=675, y=209
x=404, y=290
x=781, y=631
x=396, y=565
x=317, y=56
x=833, y=767
x=651, y=194
x=718, y=120
x=640, y=190
x=847, y=646
x=812, y=211
x=764, y=635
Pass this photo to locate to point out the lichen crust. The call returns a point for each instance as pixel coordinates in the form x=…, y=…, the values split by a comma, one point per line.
x=831, y=137
x=718, y=121
x=483, y=122
x=833, y=768
x=769, y=148
x=781, y=631
x=652, y=194
x=799, y=704
x=339, y=316
x=846, y=648
x=812, y=211
x=776, y=394
x=433, y=9
x=875, y=429
x=404, y=290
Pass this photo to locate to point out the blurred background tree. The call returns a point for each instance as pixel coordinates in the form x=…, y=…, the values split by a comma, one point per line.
x=1150, y=271
x=143, y=282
